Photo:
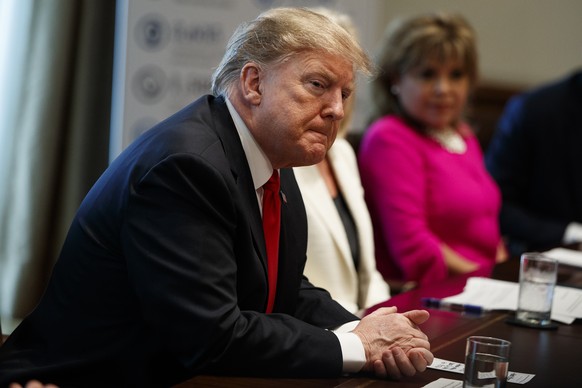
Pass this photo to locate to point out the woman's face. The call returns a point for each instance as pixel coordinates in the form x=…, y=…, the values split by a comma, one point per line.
x=434, y=93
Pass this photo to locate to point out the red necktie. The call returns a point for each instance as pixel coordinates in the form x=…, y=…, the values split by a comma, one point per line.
x=271, y=229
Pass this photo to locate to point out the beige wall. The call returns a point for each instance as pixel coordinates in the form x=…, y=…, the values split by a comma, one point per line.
x=521, y=42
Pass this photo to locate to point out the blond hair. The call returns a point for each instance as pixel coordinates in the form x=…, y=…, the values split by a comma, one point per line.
x=279, y=33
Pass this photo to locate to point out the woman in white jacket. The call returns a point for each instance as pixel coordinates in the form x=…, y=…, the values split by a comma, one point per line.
x=340, y=245
x=347, y=269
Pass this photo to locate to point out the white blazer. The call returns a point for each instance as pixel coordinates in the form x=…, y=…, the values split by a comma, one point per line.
x=329, y=260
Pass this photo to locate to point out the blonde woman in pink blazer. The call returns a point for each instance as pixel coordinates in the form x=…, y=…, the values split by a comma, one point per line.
x=434, y=206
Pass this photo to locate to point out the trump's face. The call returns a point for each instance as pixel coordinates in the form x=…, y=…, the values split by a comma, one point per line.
x=299, y=105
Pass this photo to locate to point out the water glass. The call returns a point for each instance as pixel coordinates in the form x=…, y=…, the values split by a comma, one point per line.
x=537, y=281
x=486, y=362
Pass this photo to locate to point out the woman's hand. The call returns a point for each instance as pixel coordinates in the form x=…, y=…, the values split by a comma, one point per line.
x=456, y=263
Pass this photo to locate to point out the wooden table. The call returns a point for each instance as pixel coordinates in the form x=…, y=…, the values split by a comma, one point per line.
x=554, y=356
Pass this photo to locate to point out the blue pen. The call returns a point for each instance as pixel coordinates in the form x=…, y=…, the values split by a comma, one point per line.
x=442, y=304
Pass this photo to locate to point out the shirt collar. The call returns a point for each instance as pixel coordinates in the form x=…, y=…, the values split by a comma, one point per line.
x=260, y=166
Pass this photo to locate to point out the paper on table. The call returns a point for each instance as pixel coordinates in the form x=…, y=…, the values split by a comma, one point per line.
x=445, y=383
x=492, y=294
x=563, y=318
x=567, y=301
x=566, y=256
x=457, y=367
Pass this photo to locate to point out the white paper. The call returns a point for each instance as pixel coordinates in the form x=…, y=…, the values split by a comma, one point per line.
x=568, y=320
x=447, y=366
x=566, y=256
x=457, y=367
x=493, y=294
x=445, y=383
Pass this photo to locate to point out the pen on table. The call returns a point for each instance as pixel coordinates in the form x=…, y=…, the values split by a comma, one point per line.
x=443, y=304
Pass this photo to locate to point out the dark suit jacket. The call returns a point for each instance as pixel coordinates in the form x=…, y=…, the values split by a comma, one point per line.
x=536, y=158
x=163, y=273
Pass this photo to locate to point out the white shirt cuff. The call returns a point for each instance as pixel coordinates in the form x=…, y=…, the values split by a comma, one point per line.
x=573, y=233
x=354, y=356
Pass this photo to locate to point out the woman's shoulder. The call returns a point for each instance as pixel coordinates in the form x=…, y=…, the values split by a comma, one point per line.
x=392, y=129
x=389, y=123
x=466, y=130
x=468, y=134
x=342, y=153
x=342, y=145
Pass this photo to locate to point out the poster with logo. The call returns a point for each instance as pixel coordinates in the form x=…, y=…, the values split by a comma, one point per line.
x=166, y=51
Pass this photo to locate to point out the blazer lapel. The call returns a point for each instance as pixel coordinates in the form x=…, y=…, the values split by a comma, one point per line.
x=349, y=184
x=241, y=173
x=323, y=207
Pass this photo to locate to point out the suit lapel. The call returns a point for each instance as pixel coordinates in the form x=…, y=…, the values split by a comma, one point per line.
x=293, y=243
x=241, y=173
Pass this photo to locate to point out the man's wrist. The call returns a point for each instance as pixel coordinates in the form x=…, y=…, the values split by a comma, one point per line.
x=353, y=354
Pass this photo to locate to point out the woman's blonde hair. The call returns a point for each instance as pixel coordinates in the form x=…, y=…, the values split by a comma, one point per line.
x=279, y=33
x=408, y=43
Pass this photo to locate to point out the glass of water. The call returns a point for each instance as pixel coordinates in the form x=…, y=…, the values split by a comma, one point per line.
x=537, y=281
x=486, y=362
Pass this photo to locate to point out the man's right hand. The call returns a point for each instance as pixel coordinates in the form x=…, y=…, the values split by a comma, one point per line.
x=393, y=343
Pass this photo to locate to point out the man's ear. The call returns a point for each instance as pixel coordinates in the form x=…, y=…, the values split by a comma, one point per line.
x=250, y=78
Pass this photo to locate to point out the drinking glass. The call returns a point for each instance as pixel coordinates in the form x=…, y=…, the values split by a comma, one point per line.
x=537, y=281
x=486, y=362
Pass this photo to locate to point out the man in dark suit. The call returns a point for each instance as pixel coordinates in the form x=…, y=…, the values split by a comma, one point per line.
x=163, y=274
x=535, y=157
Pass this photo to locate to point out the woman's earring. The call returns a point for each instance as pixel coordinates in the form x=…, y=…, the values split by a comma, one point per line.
x=395, y=90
